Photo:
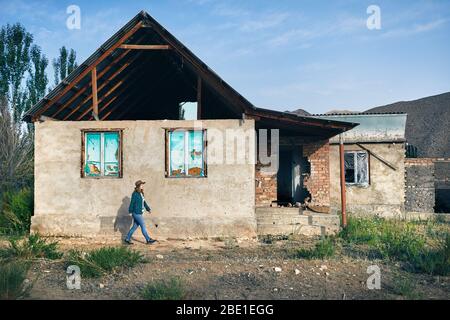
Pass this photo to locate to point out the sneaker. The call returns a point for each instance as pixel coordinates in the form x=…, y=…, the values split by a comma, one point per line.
x=127, y=241
x=151, y=241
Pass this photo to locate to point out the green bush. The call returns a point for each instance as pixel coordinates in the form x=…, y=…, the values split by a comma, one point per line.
x=434, y=261
x=32, y=247
x=104, y=260
x=406, y=288
x=325, y=248
x=12, y=276
x=402, y=241
x=362, y=230
x=171, y=289
x=16, y=208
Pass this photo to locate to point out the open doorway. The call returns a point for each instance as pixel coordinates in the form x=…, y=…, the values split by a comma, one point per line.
x=293, y=167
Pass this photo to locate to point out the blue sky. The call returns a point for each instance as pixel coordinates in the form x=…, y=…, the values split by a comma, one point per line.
x=284, y=55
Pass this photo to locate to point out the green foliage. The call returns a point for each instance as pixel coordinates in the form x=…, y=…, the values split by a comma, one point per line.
x=30, y=248
x=12, y=276
x=104, y=260
x=401, y=241
x=64, y=64
x=38, y=80
x=171, y=289
x=15, y=44
x=325, y=248
x=406, y=288
x=16, y=209
x=362, y=230
x=435, y=261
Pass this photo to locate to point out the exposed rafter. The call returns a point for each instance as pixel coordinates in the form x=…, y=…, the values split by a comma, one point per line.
x=145, y=46
x=87, y=70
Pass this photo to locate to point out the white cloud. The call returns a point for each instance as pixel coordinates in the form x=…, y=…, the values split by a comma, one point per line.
x=415, y=29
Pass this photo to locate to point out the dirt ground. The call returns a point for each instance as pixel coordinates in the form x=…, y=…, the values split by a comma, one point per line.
x=230, y=269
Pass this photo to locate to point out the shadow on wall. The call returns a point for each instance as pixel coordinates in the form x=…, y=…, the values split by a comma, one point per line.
x=123, y=220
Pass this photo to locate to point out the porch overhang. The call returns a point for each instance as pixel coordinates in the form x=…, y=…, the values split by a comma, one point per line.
x=292, y=124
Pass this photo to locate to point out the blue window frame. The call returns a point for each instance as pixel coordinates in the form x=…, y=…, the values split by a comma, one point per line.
x=186, y=153
x=102, y=154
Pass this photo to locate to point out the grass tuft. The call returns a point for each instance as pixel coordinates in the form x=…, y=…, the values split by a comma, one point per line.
x=402, y=241
x=325, y=248
x=171, y=289
x=104, y=260
x=12, y=277
x=32, y=247
x=435, y=261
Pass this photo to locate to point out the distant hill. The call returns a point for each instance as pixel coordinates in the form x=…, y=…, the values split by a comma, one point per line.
x=300, y=112
x=427, y=125
x=341, y=112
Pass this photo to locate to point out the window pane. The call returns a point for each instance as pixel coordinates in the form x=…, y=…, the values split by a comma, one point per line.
x=195, y=153
x=111, y=154
x=93, y=156
x=177, y=153
x=349, y=164
x=362, y=165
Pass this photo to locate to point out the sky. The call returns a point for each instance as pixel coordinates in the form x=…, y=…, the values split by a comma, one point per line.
x=279, y=54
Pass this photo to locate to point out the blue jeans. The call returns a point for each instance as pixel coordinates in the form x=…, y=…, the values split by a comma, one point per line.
x=138, y=222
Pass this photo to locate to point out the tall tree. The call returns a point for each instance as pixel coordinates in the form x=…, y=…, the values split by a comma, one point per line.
x=64, y=64
x=16, y=151
x=37, y=81
x=15, y=43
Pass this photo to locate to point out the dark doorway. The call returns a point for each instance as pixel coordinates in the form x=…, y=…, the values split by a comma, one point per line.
x=293, y=168
x=284, y=177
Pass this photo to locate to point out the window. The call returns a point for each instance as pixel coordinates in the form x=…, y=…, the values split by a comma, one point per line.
x=356, y=167
x=185, y=153
x=101, y=154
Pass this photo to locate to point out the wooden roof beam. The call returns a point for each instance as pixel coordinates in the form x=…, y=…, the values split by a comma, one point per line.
x=86, y=71
x=145, y=46
x=106, y=82
x=82, y=90
x=111, y=90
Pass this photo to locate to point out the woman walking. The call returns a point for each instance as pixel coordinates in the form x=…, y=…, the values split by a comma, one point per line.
x=136, y=209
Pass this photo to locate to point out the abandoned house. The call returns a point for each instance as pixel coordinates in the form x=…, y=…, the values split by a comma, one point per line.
x=143, y=106
x=374, y=164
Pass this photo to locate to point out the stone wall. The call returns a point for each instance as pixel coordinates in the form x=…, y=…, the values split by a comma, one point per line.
x=442, y=185
x=420, y=191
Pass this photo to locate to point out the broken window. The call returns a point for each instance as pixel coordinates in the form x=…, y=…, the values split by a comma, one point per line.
x=101, y=156
x=188, y=111
x=186, y=153
x=356, y=167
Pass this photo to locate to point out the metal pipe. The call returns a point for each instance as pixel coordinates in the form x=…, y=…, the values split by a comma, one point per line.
x=342, y=174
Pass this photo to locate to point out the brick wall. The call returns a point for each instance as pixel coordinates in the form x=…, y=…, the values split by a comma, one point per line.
x=266, y=187
x=318, y=183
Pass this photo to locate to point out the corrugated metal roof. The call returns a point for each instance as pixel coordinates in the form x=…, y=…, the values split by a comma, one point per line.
x=373, y=127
